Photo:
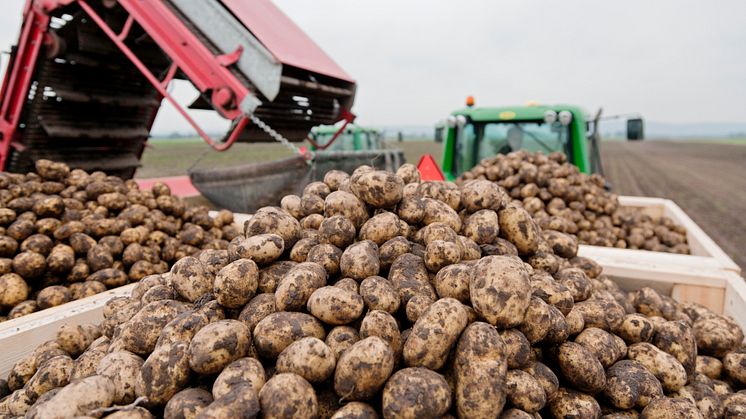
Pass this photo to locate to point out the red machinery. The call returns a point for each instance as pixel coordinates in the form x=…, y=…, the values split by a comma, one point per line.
x=87, y=78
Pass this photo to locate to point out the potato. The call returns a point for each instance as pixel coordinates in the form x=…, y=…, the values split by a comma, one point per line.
x=236, y=283
x=635, y=328
x=78, y=398
x=379, y=189
x=677, y=339
x=572, y=404
x=481, y=227
x=552, y=292
x=13, y=290
x=716, y=334
x=383, y=227
x=382, y=324
x=480, y=367
x=363, y=369
x=500, y=291
x=214, y=260
x=326, y=255
x=187, y=403
x=298, y=284
x=52, y=373
x=183, y=327
x=270, y=276
x=50, y=170
x=311, y=204
x=562, y=245
x=241, y=402
x=355, y=410
x=439, y=254
x=733, y=364
x=517, y=226
x=709, y=366
x=53, y=296
x=74, y=339
x=164, y=373
x=334, y=178
x=666, y=368
x=409, y=276
x=8, y=246
x=261, y=248
x=415, y=393
x=191, y=278
x=360, y=260
x=517, y=348
x=29, y=264
x=122, y=368
x=630, y=385
x=665, y=408
x=524, y=391
x=338, y=231
x=258, y=308
x=278, y=330
x=439, y=212
x=38, y=243
x=434, y=333
x=335, y=306
x=241, y=371
x=275, y=221
x=341, y=338
x=545, y=377
x=308, y=357
x=140, y=334
x=52, y=206
x=110, y=277
x=19, y=230
x=286, y=393
x=453, y=282
x=581, y=368
x=86, y=364
x=347, y=205
x=217, y=345
x=483, y=194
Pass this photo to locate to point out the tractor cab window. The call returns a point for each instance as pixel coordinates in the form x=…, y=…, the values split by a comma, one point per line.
x=480, y=140
x=344, y=142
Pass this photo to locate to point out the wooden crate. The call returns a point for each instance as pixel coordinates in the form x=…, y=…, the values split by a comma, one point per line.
x=705, y=253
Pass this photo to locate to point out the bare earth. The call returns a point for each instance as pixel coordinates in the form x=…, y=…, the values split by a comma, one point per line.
x=708, y=181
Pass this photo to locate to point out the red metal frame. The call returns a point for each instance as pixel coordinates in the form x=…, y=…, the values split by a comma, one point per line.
x=348, y=117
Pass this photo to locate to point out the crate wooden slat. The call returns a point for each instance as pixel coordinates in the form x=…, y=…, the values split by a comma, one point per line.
x=705, y=253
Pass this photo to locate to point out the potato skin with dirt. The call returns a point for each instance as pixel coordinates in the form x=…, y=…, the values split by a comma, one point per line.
x=434, y=333
x=379, y=188
x=308, y=357
x=187, y=403
x=416, y=393
x=363, y=369
x=236, y=283
x=241, y=371
x=288, y=392
x=517, y=226
x=164, y=373
x=278, y=330
x=360, y=260
x=500, y=290
x=335, y=306
x=297, y=285
x=217, y=345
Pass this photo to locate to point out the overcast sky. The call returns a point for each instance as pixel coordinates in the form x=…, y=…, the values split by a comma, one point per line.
x=415, y=61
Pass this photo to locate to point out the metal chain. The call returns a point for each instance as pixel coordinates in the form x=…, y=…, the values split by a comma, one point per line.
x=275, y=135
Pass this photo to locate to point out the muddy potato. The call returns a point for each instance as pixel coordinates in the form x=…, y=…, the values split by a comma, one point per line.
x=360, y=260
x=665, y=408
x=348, y=284
x=110, y=277
x=276, y=221
x=74, y=339
x=382, y=324
x=81, y=243
x=378, y=188
x=347, y=205
x=214, y=260
x=408, y=173
x=22, y=309
x=439, y=212
x=416, y=306
x=241, y=371
x=545, y=377
x=607, y=348
x=517, y=348
x=122, y=368
x=383, y=227
x=677, y=339
x=13, y=290
x=415, y=393
x=278, y=330
x=517, y=226
x=311, y=204
x=140, y=333
x=6, y=266
x=326, y=255
x=258, y=308
x=341, y=338
x=411, y=209
x=573, y=404
x=630, y=385
x=38, y=243
x=20, y=229
x=716, y=334
x=286, y=393
x=52, y=171
x=482, y=194
x=308, y=357
x=453, y=282
x=439, y=254
x=217, y=345
x=52, y=206
x=312, y=221
x=335, y=306
x=52, y=373
x=53, y=296
x=524, y=391
x=334, y=178
x=191, y=278
x=29, y=265
x=297, y=285
x=434, y=333
x=271, y=276
x=363, y=369
x=576, y=281
x=709, y=366
x=299, y=252
x=500, y=290
x=581, y=368
x=338, y=231
x=236, y=283
x=409, y=276
x=241, y=402
x=8, y=246
x=482, y=226
x=733, y=364
x=355, y=410
x=552, y=292
x=291, y=204
x=187, y=403
x=480, y=367
x=183, y=327
x=164, y=373
x=635, y=328
x=392, y=249
x=666, y=368
x=78, y=398
x=99, y=257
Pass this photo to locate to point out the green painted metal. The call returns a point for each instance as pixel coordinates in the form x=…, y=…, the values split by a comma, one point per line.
x=526, y=114
x=352, y=139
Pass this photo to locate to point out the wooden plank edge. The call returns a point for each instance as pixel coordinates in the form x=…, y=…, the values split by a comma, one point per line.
x=636, y=255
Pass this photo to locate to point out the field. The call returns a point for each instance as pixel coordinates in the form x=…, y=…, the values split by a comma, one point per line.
x=707, y=180
x=175, y=157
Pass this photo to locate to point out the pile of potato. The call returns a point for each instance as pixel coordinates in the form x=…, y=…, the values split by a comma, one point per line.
x=377, y=295
x=563, y=199
x=66, y=234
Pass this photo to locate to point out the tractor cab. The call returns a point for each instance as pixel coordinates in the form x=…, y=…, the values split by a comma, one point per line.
x=353, y=138
x=474, y=133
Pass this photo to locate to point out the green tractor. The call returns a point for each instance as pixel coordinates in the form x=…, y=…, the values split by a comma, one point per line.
x=474, y=133
x=353, y=138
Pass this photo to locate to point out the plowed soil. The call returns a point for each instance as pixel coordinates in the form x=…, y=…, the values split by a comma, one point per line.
x=708, y=181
